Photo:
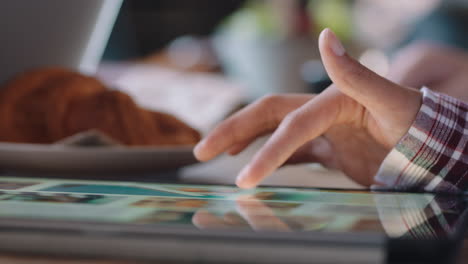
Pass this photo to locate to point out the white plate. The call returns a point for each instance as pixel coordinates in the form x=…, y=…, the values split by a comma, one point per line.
x=56, y=158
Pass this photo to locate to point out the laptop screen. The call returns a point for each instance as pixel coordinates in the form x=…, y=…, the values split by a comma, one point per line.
x=65, y=33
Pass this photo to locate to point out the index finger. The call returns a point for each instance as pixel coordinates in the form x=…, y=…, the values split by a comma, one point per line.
x=255, y=120
x=304, y=124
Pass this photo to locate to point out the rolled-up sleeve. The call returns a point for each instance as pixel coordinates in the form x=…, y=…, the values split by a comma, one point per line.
x=433, y=155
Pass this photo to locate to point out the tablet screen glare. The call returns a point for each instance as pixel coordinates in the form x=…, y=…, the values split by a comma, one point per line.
x=223, y=207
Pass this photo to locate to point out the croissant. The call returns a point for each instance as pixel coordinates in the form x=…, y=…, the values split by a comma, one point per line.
x=47, y=105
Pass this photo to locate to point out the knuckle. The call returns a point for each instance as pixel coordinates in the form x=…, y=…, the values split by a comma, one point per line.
x=269, y=100
x=290, y=121
x=229, y=130
x=227, y=126
x=268, y=107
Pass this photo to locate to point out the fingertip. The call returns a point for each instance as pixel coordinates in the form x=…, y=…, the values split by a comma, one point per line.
x=329, y=41
x=200, y=152
x=244, y=182
x=245, y=178
x=197, y=152
x=246, y=186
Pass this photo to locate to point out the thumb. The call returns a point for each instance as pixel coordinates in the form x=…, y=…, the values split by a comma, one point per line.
x=358, y=82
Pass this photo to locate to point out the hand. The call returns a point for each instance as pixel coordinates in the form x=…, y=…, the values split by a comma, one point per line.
x=252, y=212
x=442, y=69
x=352, y=125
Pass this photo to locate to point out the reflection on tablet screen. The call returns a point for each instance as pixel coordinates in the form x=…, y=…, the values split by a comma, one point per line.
x=220, y=207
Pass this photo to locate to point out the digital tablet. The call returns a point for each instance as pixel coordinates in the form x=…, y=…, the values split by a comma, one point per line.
x=210, y=223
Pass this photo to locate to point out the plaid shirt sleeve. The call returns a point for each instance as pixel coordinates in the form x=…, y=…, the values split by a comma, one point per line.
x=433, y=155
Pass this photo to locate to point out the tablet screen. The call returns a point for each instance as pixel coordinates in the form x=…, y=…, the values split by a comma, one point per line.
x=223, y=207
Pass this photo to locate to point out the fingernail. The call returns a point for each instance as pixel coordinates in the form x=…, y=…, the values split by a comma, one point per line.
x=335, y=44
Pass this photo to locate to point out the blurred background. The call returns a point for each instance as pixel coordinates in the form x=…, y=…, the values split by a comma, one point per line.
x=234, y=51
x=202, y=60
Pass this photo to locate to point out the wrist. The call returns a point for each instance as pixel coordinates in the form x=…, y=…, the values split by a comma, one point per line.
x=424, y=158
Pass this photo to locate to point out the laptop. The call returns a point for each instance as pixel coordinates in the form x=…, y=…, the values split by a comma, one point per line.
x=66, y=33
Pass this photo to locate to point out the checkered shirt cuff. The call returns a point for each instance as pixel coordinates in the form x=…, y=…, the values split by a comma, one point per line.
x=433, y=155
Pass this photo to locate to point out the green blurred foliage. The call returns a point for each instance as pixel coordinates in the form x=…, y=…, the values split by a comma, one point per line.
x=334, y=14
